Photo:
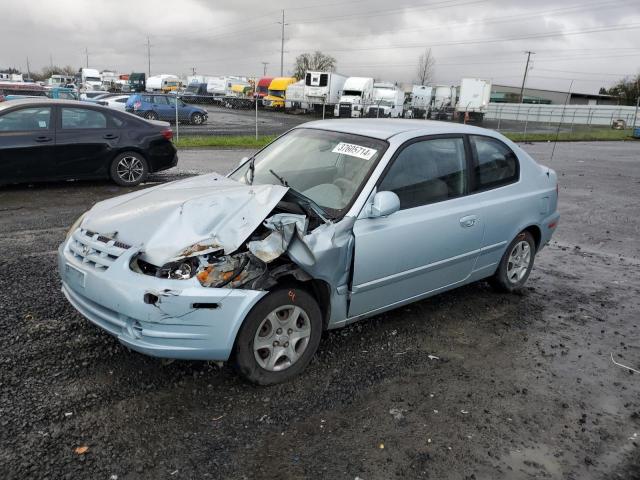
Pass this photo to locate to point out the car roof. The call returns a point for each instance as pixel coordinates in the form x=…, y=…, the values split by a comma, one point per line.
x=384, y=129
x=40, y=101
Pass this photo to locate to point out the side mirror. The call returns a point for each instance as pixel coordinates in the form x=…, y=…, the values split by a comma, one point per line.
x=384, y=204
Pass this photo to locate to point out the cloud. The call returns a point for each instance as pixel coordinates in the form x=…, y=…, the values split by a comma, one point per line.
x=479, y=38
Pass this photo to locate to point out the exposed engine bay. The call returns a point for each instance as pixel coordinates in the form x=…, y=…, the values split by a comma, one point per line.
x=256, y=265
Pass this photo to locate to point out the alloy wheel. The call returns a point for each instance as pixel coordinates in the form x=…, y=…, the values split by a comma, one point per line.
x=519, y=261
x=130, y=169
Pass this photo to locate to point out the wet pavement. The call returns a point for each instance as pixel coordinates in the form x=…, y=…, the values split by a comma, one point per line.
x=470, y=384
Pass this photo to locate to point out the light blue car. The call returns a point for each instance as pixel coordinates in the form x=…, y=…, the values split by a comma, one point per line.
x=333, y=222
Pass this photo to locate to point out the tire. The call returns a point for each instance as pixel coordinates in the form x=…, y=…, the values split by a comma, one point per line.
x=151, y=116
x=128, y=169
x=270, y=360
x=516, y=264
x=196, y=119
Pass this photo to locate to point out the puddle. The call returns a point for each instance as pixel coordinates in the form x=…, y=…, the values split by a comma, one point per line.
x=537, y=462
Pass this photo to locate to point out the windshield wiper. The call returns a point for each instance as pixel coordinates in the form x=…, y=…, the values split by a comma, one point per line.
x=281, y=179
x=303, y=200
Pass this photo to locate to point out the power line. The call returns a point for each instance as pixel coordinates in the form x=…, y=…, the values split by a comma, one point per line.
x=607, y=28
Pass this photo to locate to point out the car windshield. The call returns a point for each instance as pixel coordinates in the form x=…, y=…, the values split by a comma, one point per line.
x=276, y=93
x=327, y=167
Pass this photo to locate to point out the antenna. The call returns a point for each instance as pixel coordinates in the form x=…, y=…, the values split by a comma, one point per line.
x=566, y=100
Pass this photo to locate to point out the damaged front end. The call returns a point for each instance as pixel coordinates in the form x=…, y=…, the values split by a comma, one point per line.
x=197, y=260
x=256, y=265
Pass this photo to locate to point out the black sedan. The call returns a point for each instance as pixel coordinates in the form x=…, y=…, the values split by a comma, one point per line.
x=42, y=140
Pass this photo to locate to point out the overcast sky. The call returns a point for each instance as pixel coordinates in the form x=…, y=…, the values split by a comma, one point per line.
x=593, y=42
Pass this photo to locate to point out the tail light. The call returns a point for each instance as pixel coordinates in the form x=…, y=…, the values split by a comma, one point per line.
x=167, y=133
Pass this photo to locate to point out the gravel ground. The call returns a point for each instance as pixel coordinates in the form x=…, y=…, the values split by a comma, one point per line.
x=523, y=386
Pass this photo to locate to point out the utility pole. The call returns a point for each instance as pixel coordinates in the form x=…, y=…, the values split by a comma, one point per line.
x=524, y=78
x=28, y=68
x=148, y=56
x=282, y=46
x=86, y=54
x=193, y=71
x=264, y=68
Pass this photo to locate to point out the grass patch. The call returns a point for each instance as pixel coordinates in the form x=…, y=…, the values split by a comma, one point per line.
x=600, y=134
x=249, y=141
x=229, y=141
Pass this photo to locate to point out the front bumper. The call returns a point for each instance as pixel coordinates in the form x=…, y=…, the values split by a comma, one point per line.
x=113, y=299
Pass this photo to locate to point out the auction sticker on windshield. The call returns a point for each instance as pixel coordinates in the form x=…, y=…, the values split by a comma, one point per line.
x=354, y=150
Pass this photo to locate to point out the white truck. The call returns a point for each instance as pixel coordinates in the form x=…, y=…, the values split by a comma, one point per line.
x=295, y=99
x=388, y=101
x=323, y=88
x=420, y=102
x=220, y=86
x=357, y=93
x=474, y=95
x=162, y=83
x=90, y=79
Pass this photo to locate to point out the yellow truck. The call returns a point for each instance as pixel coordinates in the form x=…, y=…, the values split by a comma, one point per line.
x=276, y=92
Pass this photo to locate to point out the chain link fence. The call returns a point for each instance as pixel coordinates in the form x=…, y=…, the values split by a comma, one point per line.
x=241, y=111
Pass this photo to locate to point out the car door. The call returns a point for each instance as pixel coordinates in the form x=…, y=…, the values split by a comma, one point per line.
x=432, y=242
x=162, y=108
x=85, y=141
x=495, y=174
x=27, y=143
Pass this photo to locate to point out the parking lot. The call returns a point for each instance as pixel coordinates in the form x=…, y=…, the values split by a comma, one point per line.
x=470, y=384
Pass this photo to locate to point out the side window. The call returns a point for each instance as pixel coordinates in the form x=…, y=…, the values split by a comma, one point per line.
x=26, y=119
x=427, y=171
x=147, y=99
x=496, y=164
x=73, y=118
x=324, y=79
x=158, y=100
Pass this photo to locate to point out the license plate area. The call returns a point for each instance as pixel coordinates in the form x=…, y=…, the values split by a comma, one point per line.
x=75, y=276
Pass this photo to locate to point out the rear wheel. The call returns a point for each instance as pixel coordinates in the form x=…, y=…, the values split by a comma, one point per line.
x=129, y=169
x=151, y=116
x=516, y=264
x=279, y=337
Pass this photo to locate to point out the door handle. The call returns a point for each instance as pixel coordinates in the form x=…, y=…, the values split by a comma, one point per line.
x=43, y=139
x=110, y=136
x=468, y=221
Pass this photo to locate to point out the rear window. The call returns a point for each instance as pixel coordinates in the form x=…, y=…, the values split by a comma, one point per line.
x=496, y=164
x=76, y=118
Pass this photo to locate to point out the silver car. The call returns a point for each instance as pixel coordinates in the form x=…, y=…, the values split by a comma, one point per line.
x=333, y=222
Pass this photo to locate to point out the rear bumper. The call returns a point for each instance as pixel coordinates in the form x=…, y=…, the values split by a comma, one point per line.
x=113, y=299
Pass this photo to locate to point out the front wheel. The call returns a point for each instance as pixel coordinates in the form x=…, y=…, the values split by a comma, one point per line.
x=279, y=337
x=128, y=169
x=516, y=264
x=197, y=119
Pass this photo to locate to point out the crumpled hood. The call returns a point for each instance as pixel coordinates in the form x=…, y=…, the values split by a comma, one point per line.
x=208, y=210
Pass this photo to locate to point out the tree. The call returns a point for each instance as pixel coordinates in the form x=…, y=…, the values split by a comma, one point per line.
x=316, y=61
x=627, y=90
x=426, y=68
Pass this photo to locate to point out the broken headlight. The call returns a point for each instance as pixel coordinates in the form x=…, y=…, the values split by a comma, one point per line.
x=75, y=225
x=180, y=270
